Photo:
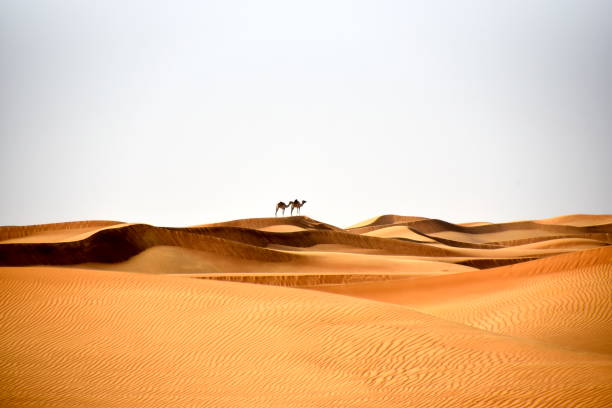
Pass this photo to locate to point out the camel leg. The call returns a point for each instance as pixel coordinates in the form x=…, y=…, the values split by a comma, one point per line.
x=276, y=212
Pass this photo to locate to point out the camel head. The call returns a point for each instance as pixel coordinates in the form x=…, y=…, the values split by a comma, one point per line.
x=303, y=202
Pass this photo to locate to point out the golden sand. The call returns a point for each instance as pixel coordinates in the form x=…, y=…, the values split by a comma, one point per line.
x=292, y=312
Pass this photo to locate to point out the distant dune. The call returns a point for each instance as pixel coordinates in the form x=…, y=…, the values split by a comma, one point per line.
x=394, y=311
x=59, y=232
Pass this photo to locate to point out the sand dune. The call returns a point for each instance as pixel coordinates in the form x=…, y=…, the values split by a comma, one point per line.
x=59, y=232
x=120, y=242
x=282, y=228
x=261, y=223
x=92, y=338
x=399, y=231
x=388, y=219
x=474, y=224
x=572, y=244
x=164, y=259
x=565, y=300
x=395, y=311
x=487, y=235
x=579, y=220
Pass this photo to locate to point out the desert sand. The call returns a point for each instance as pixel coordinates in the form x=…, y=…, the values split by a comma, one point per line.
x=394, y=311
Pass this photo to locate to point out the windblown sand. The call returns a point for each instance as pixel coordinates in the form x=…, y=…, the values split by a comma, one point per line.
x=292, y=312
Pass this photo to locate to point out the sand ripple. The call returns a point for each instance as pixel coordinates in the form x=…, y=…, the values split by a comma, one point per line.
x=74, y=338
x=396, y=311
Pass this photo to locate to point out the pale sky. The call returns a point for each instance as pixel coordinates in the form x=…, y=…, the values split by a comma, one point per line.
x=186, y=112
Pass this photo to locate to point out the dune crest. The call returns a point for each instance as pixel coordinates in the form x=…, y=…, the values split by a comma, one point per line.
x=387, y=219
x=58, y=232
x=579, y=220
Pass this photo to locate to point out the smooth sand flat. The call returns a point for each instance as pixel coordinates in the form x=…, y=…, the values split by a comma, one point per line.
x=74, y=338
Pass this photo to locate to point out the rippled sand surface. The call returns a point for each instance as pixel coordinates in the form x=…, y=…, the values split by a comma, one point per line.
x=292, y=312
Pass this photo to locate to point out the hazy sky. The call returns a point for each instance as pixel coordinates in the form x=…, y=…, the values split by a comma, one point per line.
x=186, y=112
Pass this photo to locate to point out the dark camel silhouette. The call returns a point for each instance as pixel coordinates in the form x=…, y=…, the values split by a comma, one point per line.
x=296, y=204
x=281, y=206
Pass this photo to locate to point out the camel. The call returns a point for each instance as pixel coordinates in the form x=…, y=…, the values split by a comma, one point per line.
x=297, y=204
x=282, y=206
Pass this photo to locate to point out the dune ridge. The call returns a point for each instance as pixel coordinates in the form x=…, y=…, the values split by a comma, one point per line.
x=578, y=220
x=257, y=223
x=384, y=220
x=117, y=242
x=117, y=245
x=55, y=232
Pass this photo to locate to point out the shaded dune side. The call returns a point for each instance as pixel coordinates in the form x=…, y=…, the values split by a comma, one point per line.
x=416, y=236
x=117, y=245
x=432, y=226
x=304, y=239
x=12, y=232
x=486, y=263
x=491, y=259
x=452, y=244
x=255, y=223
x=184, y=343
x=121, y=243
x=564, y=299
x=319, y=266
x=455, y=243
x=473, y=235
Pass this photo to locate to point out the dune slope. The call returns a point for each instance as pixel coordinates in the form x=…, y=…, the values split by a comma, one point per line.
x=74, y=338
x=564, y=300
